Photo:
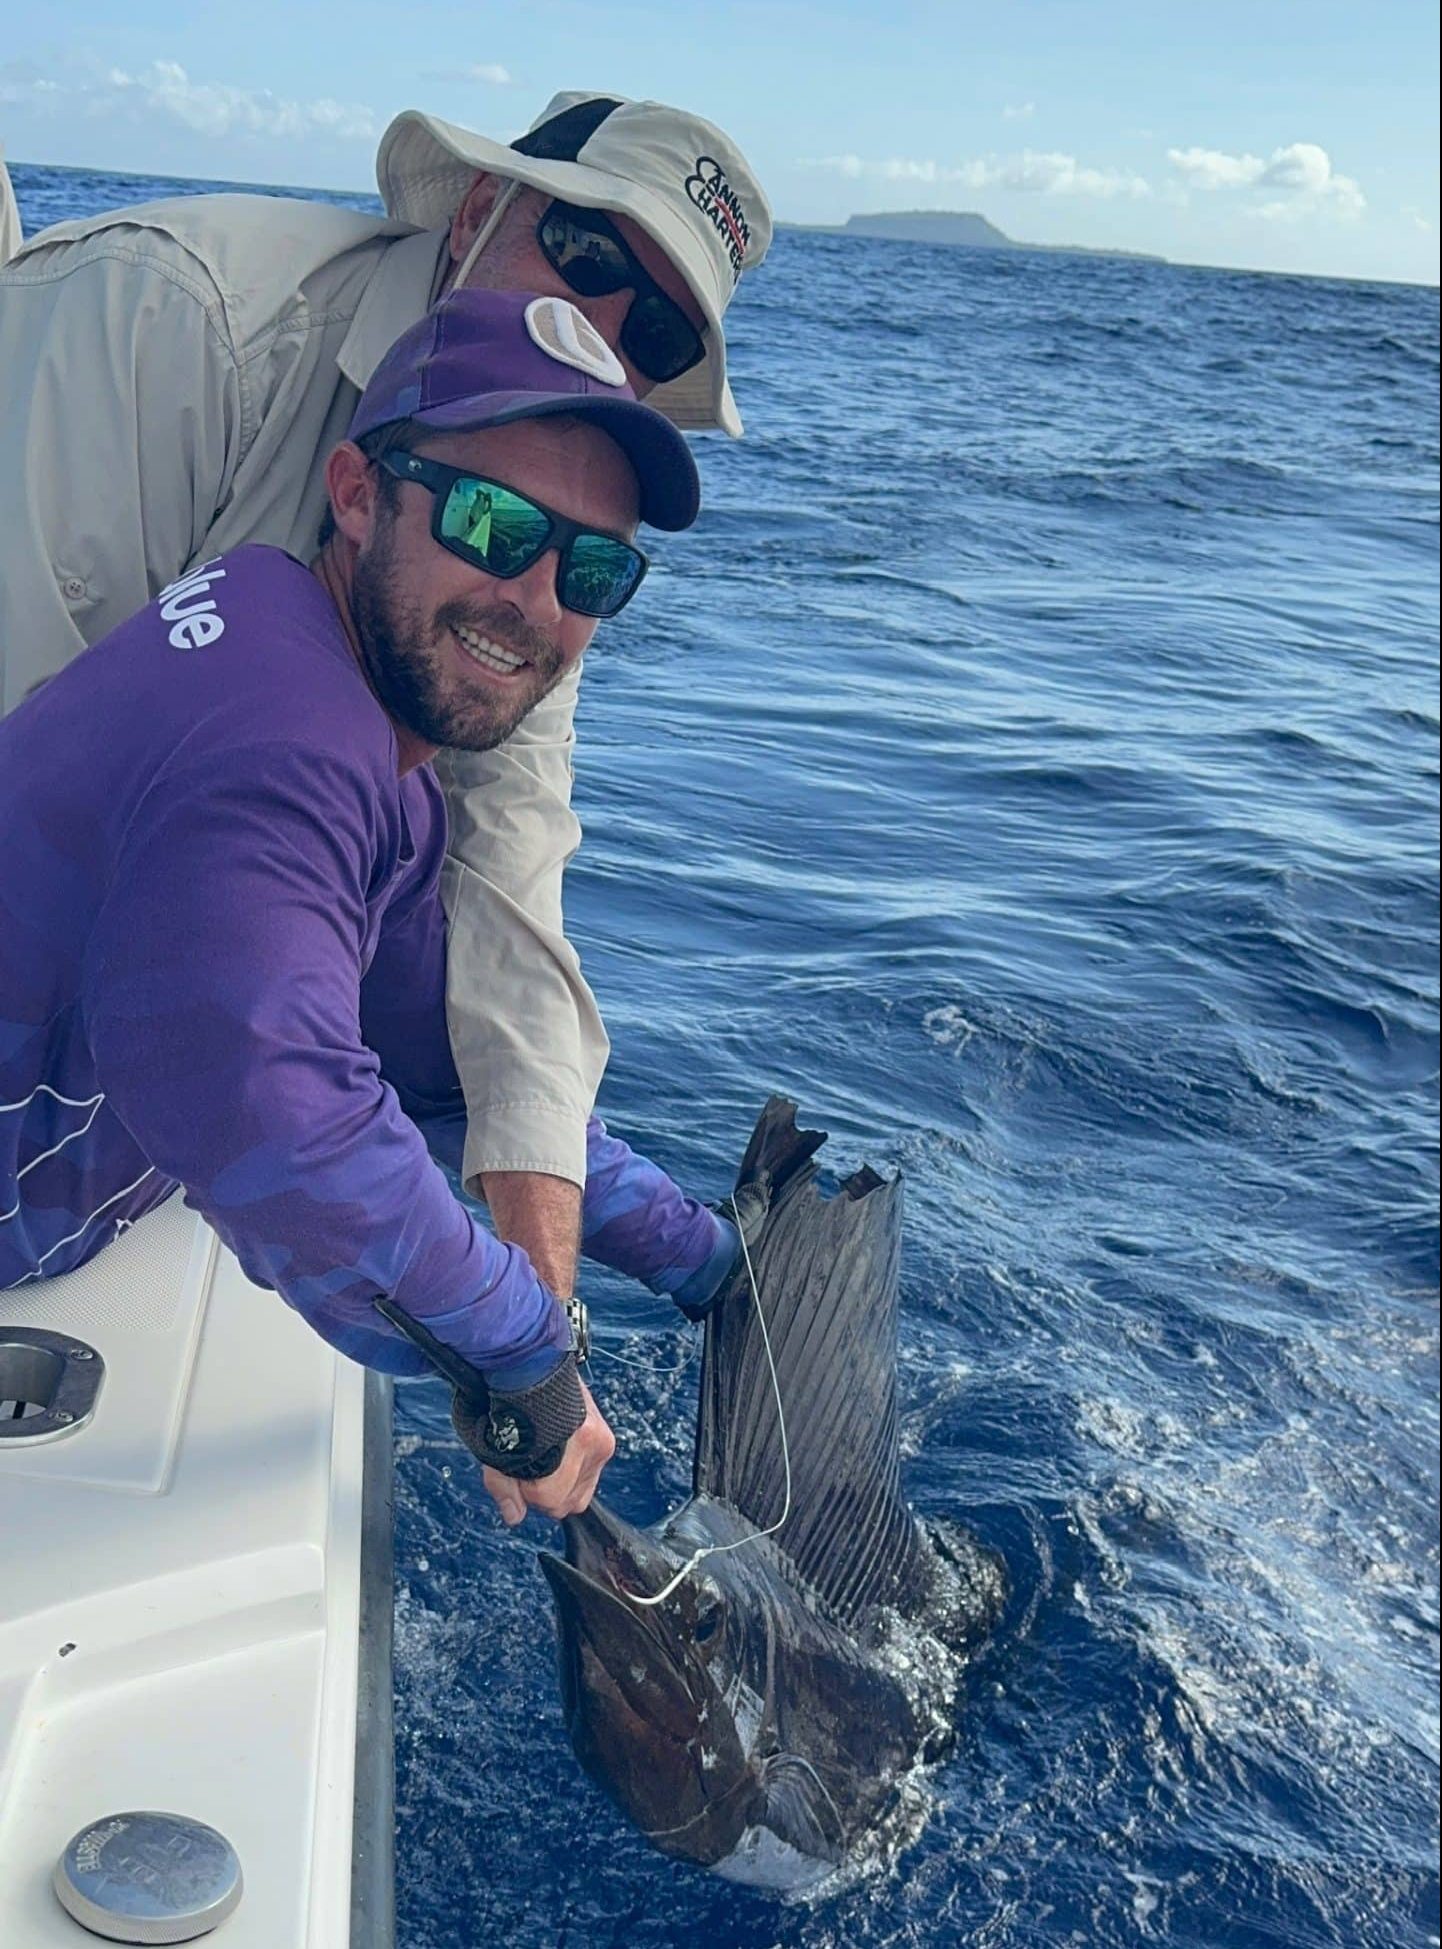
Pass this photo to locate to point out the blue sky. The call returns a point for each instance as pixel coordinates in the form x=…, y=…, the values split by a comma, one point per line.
x=1295, y=137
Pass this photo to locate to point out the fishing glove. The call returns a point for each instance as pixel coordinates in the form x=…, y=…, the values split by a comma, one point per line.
x=524, y=1434
x=742, y=1215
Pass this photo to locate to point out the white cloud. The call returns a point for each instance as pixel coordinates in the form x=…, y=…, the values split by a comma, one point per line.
x=905, y=169
x=1210, y=169
x=490, y=73
x=1296, y=181
x=1053, y=174
x=1039, y=173
x=1303, y=166
x=164, y=89
x=1018, y=112
x=18, y=91
x=848, y=166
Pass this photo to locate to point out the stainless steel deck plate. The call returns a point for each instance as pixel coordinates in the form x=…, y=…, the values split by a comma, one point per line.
x=148, y=1877
x=49, y=1384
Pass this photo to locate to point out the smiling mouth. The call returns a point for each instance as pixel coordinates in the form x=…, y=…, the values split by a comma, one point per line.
x=490, y=655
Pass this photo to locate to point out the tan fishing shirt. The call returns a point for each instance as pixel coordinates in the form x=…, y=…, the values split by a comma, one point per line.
x=171, y=381
x=9, y=215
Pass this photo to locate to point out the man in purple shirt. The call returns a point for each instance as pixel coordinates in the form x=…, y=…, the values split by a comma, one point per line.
x=222, y=948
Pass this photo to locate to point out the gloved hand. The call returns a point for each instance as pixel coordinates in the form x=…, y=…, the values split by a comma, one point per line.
x=524, y=1434
x=521, y=1433
x=744, y=1214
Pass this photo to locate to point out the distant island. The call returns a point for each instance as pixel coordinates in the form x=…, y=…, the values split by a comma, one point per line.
x=967, y=228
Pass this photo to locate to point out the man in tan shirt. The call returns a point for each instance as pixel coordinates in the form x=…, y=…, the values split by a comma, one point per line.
x=171, y=379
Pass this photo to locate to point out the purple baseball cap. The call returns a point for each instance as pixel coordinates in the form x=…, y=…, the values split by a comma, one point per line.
x=486, y=358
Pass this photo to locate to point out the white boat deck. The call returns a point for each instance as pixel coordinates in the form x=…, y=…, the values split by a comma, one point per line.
x=181, y=1604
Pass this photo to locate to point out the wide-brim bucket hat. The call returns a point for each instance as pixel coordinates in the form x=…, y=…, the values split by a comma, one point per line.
x=680, y=178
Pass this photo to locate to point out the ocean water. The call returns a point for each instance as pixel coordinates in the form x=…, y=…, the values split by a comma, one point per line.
x=1030, y=764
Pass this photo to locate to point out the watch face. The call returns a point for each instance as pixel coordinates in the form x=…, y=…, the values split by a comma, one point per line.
x=580, y=1327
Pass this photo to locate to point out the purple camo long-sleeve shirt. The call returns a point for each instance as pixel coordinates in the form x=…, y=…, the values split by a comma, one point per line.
x=222, y=965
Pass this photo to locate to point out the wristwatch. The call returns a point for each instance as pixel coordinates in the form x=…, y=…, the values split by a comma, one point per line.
x=580, y=1321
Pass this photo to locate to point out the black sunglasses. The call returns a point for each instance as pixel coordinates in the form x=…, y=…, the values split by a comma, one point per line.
x=595, y=260
x=498, y=529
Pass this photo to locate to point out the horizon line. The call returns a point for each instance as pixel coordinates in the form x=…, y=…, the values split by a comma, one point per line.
x=1120, y=251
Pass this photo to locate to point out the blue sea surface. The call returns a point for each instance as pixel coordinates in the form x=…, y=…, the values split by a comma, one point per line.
x=1030, y=764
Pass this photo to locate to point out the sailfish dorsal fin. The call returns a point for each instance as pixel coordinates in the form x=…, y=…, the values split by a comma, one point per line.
x=827, y=1274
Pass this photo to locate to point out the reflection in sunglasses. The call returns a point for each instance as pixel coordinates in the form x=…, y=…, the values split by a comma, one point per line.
x=476, y=520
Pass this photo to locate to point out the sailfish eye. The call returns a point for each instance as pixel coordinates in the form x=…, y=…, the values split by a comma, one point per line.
x=706, y=1624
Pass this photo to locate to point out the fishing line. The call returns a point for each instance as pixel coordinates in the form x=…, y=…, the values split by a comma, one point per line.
x=719, y=1549
x=642, y=1366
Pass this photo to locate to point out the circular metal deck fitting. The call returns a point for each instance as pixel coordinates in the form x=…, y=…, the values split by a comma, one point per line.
x=49, y=1384
x=146, y=1877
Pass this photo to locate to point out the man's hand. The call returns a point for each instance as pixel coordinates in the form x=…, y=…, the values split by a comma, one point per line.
x=568, y=1489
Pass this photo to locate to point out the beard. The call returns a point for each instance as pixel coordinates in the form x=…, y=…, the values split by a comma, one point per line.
x=411, y=659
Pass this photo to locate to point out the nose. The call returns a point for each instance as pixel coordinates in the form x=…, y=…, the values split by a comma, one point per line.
x=607, y=312
x=608, y=315
x=533, y=592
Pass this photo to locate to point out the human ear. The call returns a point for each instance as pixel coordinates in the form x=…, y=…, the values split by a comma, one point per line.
x=476, y=205
x=351, y=484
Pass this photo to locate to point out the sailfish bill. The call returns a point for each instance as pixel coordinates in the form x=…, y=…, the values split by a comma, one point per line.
x=763, y=1719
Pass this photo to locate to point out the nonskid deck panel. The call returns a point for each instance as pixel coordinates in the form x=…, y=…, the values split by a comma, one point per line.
x=180, y=1617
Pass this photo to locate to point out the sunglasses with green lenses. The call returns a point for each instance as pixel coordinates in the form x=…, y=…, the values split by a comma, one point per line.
x=498, y=529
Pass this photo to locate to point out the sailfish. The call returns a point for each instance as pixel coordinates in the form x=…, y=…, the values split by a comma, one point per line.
x=768, y=1716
